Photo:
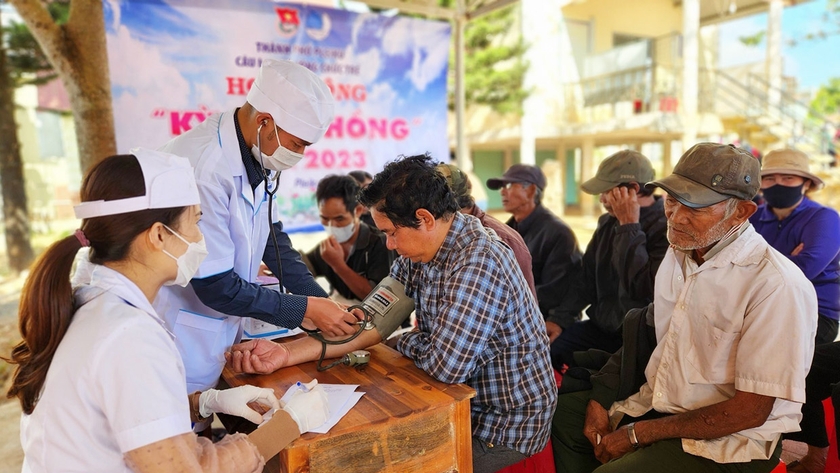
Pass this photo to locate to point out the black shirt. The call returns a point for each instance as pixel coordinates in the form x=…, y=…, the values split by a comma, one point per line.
x=555, y=257
x=619, y=268
x=369, y=257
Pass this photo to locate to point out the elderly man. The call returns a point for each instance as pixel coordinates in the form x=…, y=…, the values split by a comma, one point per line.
x=555, y=256
x=462, y=187
x=619, y=264
x=735, y=337
x=236, y=155
x=477, y=322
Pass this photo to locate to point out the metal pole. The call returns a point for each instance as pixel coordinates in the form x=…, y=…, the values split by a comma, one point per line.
x=462, y=150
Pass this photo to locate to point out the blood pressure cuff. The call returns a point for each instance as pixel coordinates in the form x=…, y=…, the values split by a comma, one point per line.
x=388, y=305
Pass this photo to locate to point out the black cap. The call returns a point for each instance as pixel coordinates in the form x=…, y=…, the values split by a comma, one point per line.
x=519, y=173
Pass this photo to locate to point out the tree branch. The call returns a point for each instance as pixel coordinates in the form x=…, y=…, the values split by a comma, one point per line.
x=40, y=23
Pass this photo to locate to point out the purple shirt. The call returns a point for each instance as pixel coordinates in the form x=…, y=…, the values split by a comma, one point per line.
x=818, y=228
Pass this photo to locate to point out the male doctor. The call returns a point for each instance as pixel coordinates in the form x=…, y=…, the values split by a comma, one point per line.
x=235, y=155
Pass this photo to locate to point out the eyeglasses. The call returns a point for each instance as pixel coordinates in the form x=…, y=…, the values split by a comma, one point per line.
x=509, y=185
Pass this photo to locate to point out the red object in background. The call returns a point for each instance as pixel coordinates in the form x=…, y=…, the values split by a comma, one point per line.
x=637, y=106
x=833, y=463
x=288, y=16
x=668, y=104
x=542, y=462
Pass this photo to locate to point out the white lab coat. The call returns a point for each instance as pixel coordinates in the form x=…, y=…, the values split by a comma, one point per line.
x=235, y=228
x=115, y=384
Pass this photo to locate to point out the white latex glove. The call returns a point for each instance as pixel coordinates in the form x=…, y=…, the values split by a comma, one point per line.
x=308, y=409
x=234, y=401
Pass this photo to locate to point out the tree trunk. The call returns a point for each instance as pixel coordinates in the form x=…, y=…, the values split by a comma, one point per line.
x=15, y=213
x=77, y=51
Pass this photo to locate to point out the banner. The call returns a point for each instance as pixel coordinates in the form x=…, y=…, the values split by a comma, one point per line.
x=173, y=64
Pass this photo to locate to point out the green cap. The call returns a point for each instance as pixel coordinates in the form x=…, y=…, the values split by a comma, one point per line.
x=710, y=173
x=622, y=167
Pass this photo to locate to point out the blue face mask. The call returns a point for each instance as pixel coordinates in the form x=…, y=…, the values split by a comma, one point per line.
x=782, y=197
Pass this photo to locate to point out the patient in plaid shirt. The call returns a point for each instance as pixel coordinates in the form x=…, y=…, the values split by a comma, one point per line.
x=477, y=321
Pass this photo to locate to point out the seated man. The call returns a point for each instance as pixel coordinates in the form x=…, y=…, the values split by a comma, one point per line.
x=353, y=258
x=462, y=187
x=619, y=264
x=734, y=334
x=477, y=322
x=555, y=257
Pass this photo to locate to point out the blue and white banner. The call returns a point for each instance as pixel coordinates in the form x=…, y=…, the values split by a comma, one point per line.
x=173, y=63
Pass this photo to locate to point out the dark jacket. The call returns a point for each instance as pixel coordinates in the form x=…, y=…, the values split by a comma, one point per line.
x=618, y=376
x=618, y=270
x=555, y=257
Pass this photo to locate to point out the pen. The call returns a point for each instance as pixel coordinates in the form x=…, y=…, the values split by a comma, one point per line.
x=302, y=387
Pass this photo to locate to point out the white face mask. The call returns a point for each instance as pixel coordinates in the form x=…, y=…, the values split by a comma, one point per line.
x=341, y=234
x=189, y=262
x=281, y=159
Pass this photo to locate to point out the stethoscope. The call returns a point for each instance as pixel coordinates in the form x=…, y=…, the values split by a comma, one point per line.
x=366, y=324
x=270, y=193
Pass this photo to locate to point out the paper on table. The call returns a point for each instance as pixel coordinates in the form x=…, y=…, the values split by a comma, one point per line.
x=341, y=398
x=336, y=416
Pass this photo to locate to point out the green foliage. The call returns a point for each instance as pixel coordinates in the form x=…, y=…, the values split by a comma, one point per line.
x=752, y=40
x=494, y=67
x=27, y=63
x=827, y=100
x=830, y=25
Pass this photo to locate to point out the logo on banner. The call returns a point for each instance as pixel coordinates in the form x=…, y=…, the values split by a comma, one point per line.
x=318, y=25
x=289, y=21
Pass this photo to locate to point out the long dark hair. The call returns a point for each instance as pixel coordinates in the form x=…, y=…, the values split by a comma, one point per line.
x=46, y=301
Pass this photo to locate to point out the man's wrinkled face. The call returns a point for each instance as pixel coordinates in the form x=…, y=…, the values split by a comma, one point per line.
x=411, y=243
x=516, y=195
x=693, y=229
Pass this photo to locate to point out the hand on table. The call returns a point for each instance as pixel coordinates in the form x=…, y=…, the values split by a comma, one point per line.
x=309, y=407
x=257, y=357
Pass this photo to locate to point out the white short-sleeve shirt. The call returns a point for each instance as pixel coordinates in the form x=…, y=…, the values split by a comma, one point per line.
x=743, y=320
x=116, y=383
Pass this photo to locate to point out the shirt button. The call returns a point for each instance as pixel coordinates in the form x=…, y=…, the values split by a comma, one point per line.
x=679, y=278
x=682, y=306
x=659, y=394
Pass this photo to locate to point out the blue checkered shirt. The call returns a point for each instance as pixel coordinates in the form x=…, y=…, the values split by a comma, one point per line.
x=479, y=325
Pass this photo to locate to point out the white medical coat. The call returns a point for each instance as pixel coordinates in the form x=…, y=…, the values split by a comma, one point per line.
x=235, y=227
x=116, y=384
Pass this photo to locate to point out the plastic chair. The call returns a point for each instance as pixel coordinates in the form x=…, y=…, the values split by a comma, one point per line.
x=542, y=462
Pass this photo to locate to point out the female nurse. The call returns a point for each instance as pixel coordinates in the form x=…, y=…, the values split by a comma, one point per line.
x=99, y=378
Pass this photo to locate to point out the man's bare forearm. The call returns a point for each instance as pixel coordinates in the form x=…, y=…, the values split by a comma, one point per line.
x=743, y=411
x=309, y=349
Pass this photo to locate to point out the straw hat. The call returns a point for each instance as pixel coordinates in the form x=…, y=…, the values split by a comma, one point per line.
x=789, y=161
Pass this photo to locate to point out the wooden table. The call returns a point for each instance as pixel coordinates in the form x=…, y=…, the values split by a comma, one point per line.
x=407, y=421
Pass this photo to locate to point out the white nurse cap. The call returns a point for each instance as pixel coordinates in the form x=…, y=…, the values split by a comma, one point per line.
x=298, y=100
x=169, y=183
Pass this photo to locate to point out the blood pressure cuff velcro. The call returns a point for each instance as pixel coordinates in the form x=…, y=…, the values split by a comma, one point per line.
x=389, y=306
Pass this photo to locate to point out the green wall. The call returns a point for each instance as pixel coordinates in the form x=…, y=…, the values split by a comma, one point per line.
x=487, y=164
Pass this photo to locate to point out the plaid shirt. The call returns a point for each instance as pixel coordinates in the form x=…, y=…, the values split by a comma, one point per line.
x=479, y=325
